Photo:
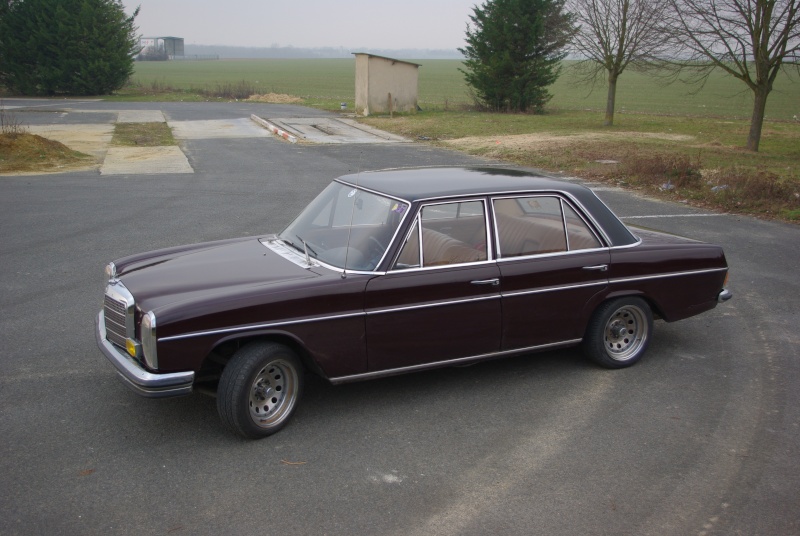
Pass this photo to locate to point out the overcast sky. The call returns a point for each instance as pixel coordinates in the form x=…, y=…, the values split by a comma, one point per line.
x=353, y=24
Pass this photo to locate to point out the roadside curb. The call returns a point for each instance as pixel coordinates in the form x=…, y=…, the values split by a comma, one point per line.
x=272, y=128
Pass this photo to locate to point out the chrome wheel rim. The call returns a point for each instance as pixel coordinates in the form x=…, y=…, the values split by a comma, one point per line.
x=625, y=333
x=273, y=393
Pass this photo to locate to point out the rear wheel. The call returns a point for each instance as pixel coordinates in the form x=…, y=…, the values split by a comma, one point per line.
x=619, y=332
x=259, y=389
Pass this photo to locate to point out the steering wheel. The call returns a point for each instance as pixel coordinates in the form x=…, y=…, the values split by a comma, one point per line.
x=376, y=250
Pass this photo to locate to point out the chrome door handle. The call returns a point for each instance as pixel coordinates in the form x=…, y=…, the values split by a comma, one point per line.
x=599, y=267
x=494, y=282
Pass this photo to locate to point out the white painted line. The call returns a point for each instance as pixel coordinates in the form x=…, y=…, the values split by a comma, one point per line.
x=673, y=216
x=272, y=128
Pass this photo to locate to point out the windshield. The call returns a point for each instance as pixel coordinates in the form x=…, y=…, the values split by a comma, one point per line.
x=346, y=227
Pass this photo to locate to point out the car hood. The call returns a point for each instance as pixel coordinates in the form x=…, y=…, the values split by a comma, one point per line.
x=228, y=268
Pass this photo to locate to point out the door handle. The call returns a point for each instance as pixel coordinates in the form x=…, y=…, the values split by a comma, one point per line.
x=494, y=282
x=599, y=267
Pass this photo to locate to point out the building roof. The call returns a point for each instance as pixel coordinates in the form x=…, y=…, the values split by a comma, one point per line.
x=385, y=58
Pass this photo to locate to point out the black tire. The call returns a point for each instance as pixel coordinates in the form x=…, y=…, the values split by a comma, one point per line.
x=259, y=389
x=619, y=332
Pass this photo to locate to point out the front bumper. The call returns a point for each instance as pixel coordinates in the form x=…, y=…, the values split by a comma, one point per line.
x=137, y=378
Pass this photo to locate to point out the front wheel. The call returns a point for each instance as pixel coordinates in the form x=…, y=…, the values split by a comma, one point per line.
x=619, y=332
x=259, y=389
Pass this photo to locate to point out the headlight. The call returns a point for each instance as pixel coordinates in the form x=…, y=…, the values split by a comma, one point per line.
x=149, y=340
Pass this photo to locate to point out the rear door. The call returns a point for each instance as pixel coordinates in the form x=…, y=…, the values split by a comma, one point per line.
x=552, y=265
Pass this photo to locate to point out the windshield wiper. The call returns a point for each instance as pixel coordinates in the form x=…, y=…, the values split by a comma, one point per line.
x=306, y=247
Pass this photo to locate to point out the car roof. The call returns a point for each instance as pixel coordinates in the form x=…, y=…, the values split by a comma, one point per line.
x=414, y=184
x=418, y=184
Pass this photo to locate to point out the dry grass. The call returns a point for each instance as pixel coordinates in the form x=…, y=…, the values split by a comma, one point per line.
x=688, y=159
x=275, y=98
x=29, y=153
x=694, y=176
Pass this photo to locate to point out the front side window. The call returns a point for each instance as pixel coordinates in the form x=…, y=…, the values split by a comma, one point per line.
x=535, y=225
x=450, y=233
x=346, y=227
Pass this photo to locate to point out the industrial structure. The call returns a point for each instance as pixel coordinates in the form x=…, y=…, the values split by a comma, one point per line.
x=171, y=47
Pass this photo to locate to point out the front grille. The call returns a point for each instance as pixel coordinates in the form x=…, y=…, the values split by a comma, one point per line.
x=116, y=322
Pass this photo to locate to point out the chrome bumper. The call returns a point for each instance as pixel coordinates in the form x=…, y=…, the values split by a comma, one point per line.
x=134, y=376
x=724, y=295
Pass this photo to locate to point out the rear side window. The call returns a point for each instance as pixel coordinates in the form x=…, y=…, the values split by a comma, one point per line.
x=536, y=225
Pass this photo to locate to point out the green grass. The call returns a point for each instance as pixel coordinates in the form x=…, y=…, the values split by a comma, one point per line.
x=328, y=82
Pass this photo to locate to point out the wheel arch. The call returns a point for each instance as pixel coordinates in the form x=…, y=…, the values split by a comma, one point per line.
x=655, y=308
x=227, y=346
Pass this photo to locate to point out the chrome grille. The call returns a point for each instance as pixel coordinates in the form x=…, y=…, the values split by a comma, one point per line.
x=114, y=311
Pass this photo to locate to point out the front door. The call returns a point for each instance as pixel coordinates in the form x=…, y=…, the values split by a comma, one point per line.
x=440, y=301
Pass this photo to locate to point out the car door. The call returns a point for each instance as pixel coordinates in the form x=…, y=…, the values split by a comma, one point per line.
x=552, y=264
x=440, y=300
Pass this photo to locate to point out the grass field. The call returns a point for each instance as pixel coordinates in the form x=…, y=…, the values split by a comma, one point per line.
x=441, y=86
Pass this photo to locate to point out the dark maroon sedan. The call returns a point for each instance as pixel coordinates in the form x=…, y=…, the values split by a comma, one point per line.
x=398, y=271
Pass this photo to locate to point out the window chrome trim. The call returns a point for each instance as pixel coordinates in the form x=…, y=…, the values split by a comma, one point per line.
x=665, y=275
x=542, y=290
x=627, y=246
x=553, y=254
x=575, y=202
x=375, y=192
x=417, y=220
x=571, y=202
x=449, y=362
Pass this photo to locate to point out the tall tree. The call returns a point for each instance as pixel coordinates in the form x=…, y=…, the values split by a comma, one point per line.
x=73, y=47
x=514, y=51
x=614, y=35
x=750, y=40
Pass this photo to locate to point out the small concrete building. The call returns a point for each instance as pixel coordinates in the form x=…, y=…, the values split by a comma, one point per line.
x=385, y=85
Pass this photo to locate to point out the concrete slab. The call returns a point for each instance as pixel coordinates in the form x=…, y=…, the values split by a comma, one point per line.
x=140, y=116
x=220, y=128
x=145, y=161
x=335, y=131
x=90, y=139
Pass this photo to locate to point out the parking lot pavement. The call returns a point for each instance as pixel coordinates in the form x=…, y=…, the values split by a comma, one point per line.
x=90, y=131
x=701, y=437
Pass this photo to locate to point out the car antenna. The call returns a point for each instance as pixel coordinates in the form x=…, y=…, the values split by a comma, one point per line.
x=352, y=215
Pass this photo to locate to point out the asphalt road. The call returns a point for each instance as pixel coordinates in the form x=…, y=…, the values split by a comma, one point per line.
x=701, y=437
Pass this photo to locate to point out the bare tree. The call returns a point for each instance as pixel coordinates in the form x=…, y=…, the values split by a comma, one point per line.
x=615, y=35
x=748, y=39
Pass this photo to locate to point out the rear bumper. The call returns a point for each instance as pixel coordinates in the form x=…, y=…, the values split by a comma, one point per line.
x=139, y=380
x=724, y=295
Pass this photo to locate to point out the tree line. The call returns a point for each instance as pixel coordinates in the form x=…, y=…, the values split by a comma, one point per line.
x=513, y=53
